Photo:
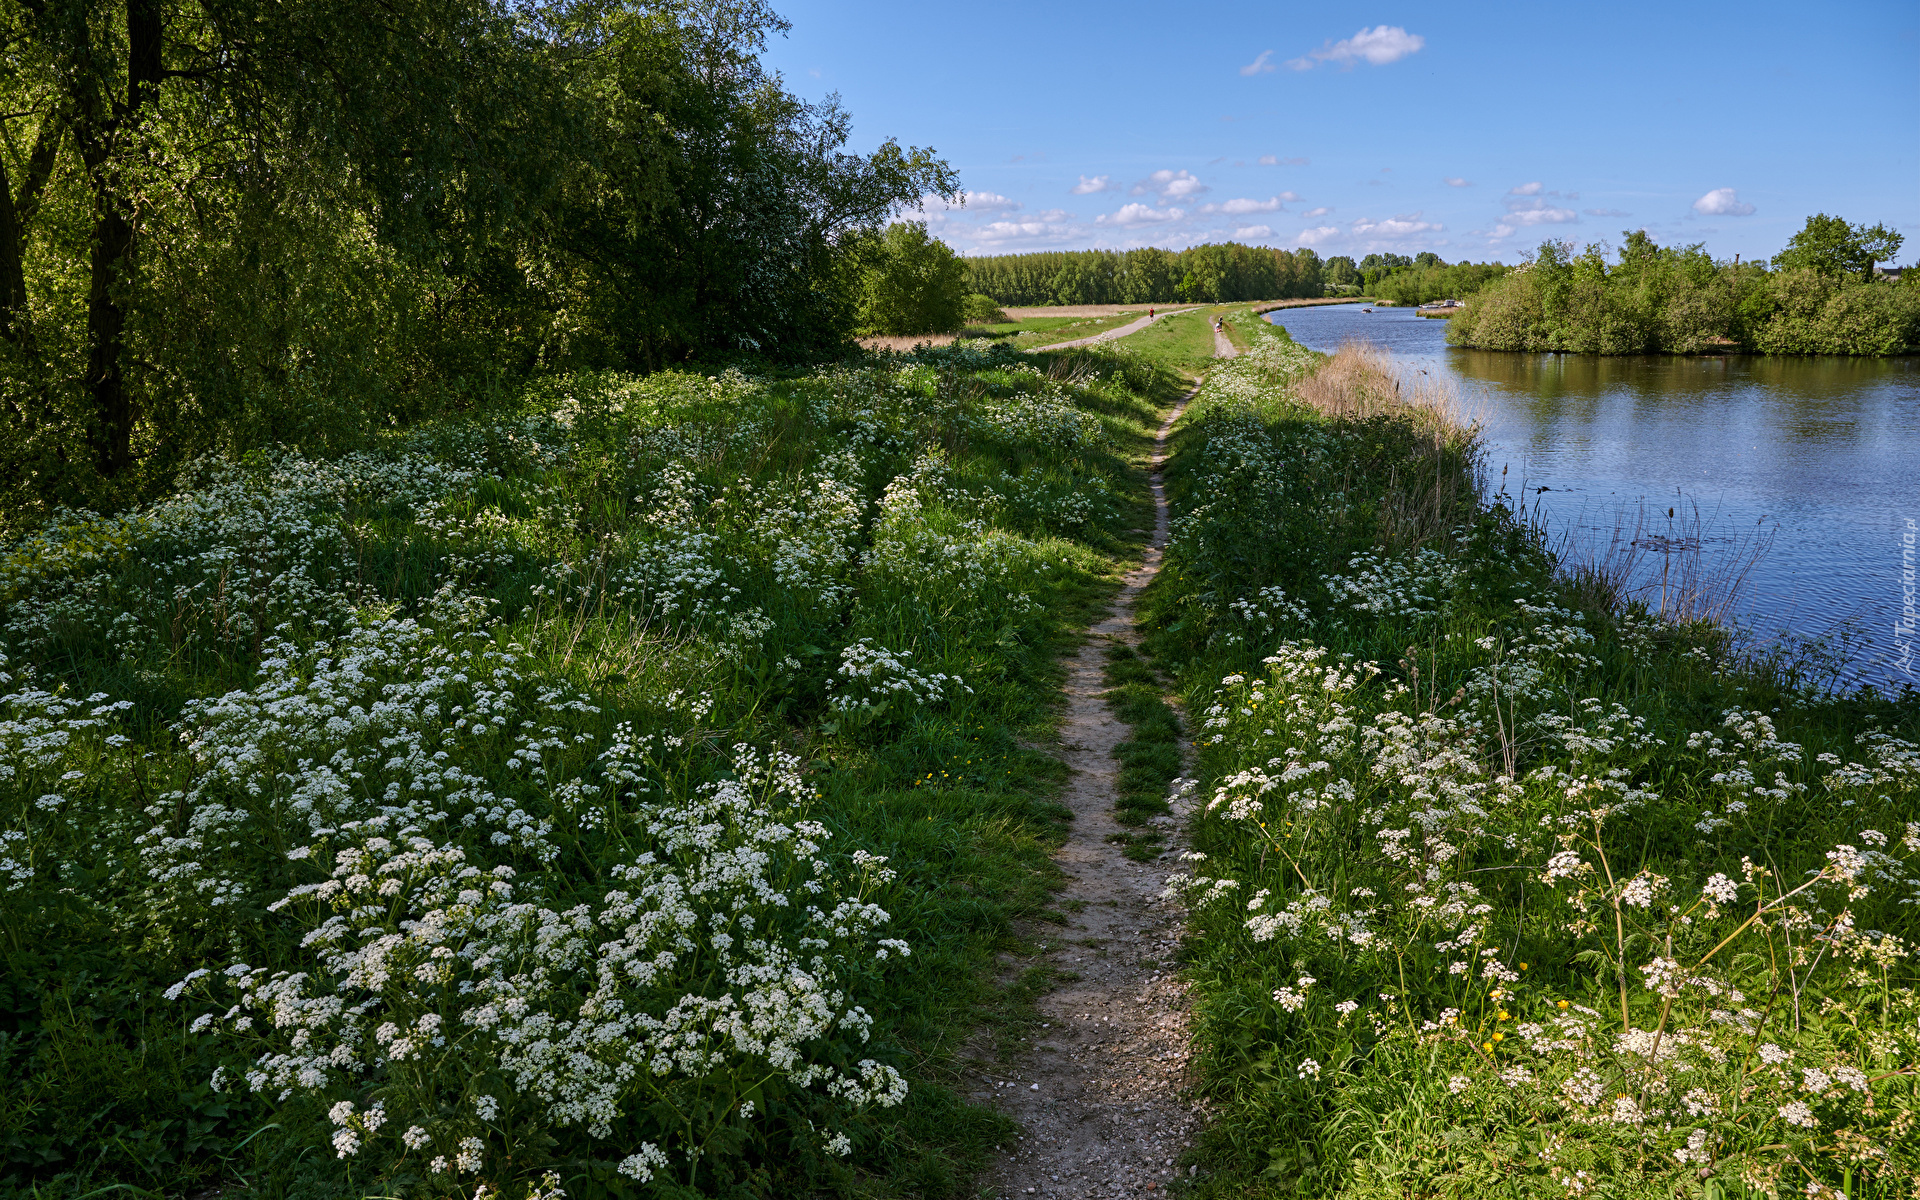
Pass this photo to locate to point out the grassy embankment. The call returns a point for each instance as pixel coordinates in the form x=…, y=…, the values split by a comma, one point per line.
x=1503, y=884
x=471, y=787
x=1030, y=332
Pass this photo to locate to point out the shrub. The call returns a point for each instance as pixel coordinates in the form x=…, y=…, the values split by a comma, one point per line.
x=982, y=310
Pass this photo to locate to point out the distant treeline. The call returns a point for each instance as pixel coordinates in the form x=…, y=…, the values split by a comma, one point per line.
x=1421, y=284
x=1212, y=273
x=1818, y=296
x=1218, y=273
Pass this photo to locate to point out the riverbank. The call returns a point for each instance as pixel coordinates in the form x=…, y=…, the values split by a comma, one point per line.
x=1497, y=878
x=1788, y=475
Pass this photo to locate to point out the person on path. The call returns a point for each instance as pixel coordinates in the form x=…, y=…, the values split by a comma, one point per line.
x=1149, y=314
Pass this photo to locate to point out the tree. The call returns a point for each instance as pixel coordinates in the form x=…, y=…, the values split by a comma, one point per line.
x=977, y=309
x=1339, y=271
x=1149, y=275
x=231, y=223
x=1831, y=246
x=911, y=283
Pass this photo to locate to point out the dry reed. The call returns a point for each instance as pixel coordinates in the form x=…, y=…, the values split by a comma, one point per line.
x=906, y=342
x=1441, y=489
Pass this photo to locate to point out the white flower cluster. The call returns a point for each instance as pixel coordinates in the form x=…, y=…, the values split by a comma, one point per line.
x=872, y=678
x=1404, y=587
x=725, y=947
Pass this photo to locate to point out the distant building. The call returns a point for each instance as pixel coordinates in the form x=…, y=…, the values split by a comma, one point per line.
x=1892, y=273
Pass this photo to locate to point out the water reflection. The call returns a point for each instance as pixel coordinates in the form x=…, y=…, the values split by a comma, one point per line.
x=1820, y=454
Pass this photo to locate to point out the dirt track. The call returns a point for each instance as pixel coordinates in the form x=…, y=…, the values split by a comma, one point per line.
x=1102, y=1098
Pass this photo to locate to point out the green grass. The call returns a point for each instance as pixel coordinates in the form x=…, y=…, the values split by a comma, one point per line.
x=1149, y=759
x=626, y=571
x=1181, y=344
x=1399, y=788
x=1034, y=331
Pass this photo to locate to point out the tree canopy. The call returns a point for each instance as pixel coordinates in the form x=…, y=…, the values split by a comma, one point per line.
x=231, y=223
x=912, y=283
x=1831, y=246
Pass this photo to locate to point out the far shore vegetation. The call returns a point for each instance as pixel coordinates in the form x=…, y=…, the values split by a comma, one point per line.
x=1820, y=295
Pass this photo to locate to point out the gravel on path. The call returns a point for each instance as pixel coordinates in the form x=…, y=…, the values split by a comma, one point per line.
x=1102, y=1097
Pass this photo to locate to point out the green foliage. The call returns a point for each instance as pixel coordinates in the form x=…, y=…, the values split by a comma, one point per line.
x=1678, y=300
x=1831, y=246
x=1200, y=274
x=352, y=217
x=1507, y=887
x=910, y=282
x=1150, y=757
x=1422, y=282
x=477, y=681
x=977, y=309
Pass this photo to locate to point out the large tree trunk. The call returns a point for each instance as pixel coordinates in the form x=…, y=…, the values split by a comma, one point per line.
x=115, y=245
x=16, y=217
x=13, y=278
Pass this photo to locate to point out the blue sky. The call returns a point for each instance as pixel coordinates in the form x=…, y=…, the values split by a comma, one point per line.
x=1472, y=129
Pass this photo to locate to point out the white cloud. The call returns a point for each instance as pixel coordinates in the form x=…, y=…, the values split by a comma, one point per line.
x=1242, y=206
x=1051, y=226
x=1722, y=202
x=1254, y=231
x=1456, y=181
x=1313, y=237
x=1322, y=211
x=1269, y=160
x=1542, y=214
x=1606, y=212
x=1381, y=45
x=1099, y=183
x=982, y=202
x=1525, y=189
x=1171, y=185
x=1404, y=225
x=1260, y=65
x=1131, y=215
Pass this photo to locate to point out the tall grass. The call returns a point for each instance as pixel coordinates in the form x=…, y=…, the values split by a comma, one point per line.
x=1504, y=879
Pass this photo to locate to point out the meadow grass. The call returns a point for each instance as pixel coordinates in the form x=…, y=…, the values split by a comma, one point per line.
x=1181, y=343
x=1149, y=758
x=631, y=795
x=1500, y=884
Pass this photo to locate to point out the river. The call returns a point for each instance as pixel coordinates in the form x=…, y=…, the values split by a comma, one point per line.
x=1800, y=475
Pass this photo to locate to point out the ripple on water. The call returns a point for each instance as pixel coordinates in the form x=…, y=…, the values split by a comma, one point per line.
x=1818, y=457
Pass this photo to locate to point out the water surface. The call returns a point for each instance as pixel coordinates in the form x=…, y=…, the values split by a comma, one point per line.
x=1816, y=458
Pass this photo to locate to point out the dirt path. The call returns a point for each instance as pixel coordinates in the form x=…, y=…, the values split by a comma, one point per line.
x=1109, y=335
x=1100, y=1099
x=1222, y=346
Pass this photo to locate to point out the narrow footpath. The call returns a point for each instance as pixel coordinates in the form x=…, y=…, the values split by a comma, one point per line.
x=1101, y=1098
